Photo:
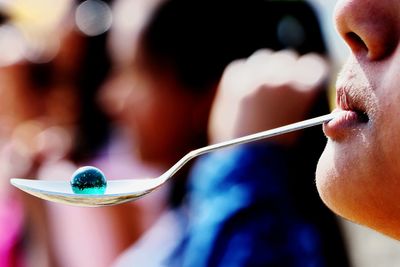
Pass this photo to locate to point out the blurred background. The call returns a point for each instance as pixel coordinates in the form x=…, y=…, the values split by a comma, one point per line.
x=66, y=101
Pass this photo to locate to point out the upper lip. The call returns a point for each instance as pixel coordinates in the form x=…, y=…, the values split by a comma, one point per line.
x=347, y=101
x=350, y=100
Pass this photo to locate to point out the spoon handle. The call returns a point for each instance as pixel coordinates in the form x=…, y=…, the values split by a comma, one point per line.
x=249, y=138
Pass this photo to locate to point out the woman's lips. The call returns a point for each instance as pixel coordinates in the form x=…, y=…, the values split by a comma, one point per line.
x=346, y=121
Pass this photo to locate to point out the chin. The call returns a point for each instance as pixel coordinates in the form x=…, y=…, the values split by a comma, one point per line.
x=337, y=184
x=357, y=195
x=327, y=179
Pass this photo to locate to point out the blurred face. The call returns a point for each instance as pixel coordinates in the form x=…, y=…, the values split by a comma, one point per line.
x=160, y=115
x=358, y=175
x=164, y=119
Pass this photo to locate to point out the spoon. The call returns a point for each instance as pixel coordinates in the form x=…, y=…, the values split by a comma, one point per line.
x=120, y=191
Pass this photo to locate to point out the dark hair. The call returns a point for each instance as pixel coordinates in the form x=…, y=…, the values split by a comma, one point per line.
x=198, y=38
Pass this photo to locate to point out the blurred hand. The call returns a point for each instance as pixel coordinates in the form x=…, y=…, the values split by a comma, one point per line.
x=266, y=90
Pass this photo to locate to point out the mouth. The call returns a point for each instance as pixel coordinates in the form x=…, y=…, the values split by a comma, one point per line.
x=353, y=115
x=354, y=104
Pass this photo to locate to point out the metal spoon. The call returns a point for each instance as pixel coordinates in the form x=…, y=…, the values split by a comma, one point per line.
x=120, y=191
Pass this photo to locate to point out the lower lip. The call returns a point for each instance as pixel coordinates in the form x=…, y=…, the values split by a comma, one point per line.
x=340, y=125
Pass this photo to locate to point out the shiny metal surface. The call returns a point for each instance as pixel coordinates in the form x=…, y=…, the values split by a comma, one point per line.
x=121, y=191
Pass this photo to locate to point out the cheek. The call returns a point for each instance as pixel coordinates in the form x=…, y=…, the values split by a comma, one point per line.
x=387, y=132
x=155, y=120
x=388, y=157
x=171, y=121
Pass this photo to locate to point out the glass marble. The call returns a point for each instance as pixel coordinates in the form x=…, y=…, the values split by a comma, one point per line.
x=88, y=180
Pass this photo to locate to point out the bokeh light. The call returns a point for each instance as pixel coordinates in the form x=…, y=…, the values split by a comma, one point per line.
x=93, y=17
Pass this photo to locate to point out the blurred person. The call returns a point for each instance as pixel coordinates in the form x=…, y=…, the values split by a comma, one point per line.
x=54, y=126
x=24, y=240
x=257, y=202
x=81, y=236
x=166, y=89
x=119, y=159
x=22, y=229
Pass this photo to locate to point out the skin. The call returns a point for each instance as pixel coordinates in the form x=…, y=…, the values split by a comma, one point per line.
x=358, y=175
x=266, y=90
x=163, y=117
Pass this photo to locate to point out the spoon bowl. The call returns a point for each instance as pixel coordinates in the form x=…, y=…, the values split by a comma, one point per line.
x=117, y=191
x=121, y=191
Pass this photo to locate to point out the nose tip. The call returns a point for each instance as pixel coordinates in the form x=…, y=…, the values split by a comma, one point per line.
x=370, y=28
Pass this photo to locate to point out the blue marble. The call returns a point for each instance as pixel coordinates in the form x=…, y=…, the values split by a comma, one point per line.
x=88, y=180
